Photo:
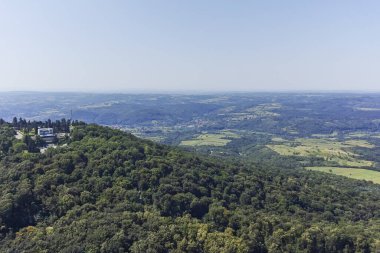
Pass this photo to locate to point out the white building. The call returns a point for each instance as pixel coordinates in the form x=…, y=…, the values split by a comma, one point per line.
x=46, y=132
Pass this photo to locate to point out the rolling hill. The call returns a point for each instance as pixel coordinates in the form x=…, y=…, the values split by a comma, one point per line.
x=109, y=191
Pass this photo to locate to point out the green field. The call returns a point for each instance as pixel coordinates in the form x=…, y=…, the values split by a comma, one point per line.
x=359, y=143
x=367, y=109
x=362, y=174
x=364, y=134
x=334, y=134
x=208, y=139
x=329, y=149
x=278, y=139
x=357, y=135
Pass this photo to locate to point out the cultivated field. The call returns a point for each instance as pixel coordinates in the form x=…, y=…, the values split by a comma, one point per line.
x=208, y=139
x=330, y=149
x=362, y=174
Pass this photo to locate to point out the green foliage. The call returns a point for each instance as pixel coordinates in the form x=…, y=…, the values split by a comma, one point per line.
x=108, y=191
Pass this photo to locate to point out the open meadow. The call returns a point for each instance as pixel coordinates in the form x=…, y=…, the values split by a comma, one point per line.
x=330, y=149
x=356, y=173
x=208, y=139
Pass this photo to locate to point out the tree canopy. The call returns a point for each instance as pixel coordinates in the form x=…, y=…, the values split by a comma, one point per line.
x=109, y=191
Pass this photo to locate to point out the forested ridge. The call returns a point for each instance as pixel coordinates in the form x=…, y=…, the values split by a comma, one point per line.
x=108, y=191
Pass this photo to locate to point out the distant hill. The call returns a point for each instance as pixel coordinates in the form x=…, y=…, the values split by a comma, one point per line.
x=109, y=191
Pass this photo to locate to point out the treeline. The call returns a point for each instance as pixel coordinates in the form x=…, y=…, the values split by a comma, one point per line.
x=28, y=126
x=108, y=191
x=30, y=141
x=9, y=145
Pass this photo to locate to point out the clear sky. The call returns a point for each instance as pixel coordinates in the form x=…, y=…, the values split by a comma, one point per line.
x=206, y=45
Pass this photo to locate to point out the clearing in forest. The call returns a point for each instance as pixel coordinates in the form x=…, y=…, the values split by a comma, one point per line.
x=330, y=149
x=361, y=174
x=208, y=139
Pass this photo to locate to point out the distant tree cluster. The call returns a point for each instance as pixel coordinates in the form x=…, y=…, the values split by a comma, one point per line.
x=30, y=141
x=62, y=125
x=108, y=191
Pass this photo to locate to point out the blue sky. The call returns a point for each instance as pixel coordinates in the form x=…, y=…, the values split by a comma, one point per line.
x=193, y=45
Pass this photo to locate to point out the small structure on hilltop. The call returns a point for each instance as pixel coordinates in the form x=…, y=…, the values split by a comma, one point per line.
x=47, y=134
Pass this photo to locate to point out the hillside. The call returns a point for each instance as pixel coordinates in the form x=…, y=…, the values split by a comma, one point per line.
x=108, y=191
x=311, y=130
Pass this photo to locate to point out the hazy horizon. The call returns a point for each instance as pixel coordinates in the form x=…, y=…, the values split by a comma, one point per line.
x=183, y=47
x=192, y=92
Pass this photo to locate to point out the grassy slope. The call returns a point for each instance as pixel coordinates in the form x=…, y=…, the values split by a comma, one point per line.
x=362, y=174
x=219, y=139
x=329, y=149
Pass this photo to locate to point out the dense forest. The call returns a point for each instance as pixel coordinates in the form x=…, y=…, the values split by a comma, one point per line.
x=109, y=191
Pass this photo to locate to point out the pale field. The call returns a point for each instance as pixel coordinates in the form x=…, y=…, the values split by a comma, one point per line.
x=334, y=134
x=208, y=139
x=362, y=174
x=363, y=135
x=367, y=109
x=278, y=139
x=329, y=149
